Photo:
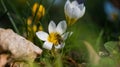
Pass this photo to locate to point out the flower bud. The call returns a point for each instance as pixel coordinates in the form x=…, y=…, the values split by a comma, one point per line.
x=39, y=10
x=73, y=11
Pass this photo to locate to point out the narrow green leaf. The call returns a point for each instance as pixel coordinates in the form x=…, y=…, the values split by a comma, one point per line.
x=12, y=21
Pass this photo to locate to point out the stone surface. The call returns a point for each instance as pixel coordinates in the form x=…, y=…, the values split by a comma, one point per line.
x=20, y=49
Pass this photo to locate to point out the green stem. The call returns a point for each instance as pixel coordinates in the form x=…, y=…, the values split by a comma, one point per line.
x=13, y=23
x=98, y=41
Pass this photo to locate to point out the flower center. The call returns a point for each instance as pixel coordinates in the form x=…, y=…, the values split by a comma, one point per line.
x=55, y=38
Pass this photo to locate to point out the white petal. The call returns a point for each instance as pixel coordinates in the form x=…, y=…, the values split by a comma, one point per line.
x=76, y=12
x=47, y=45
x=82, y=10
x=75, y=3
x=67, y=7
x=42, y=35
x=65, y=35
x=61, y=27
x=60, y=46
x=72, y=11
x=68, y=2
x=52, y=27
x=81, y=6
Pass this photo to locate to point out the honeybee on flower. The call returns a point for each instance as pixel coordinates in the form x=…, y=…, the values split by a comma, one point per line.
x=56, y=36
x=73, y=11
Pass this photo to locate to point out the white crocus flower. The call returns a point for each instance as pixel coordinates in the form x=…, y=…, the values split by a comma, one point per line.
x=73, y=11
x=56, y=35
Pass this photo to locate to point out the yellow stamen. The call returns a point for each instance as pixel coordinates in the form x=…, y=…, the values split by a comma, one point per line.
x=55, y=38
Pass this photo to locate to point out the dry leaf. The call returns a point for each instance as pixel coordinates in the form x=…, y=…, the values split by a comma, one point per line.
x=94, y=57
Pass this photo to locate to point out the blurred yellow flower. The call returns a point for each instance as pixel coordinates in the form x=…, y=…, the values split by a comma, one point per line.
x=30, y=26
x=29, y=21
x=34, y=28
x=40, y=28
x=39, y=10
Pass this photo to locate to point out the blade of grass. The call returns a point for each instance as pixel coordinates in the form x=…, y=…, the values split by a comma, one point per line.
x=15, y=10
x=46, y=16
x=12, y=21
x=98, y=41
